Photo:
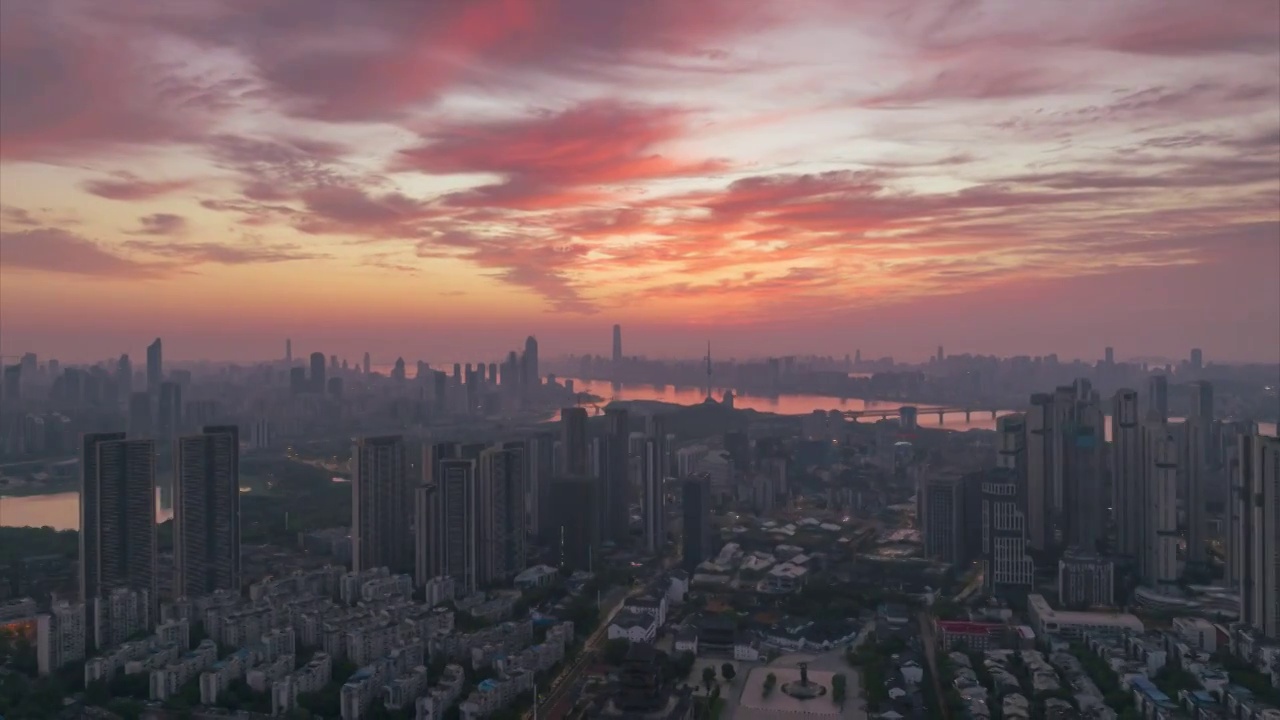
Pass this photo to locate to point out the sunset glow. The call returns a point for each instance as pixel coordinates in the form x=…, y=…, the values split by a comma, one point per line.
x=413, y=176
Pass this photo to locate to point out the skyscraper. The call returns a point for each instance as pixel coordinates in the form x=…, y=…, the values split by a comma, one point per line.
x=1255, y=544
x=140, y=414
x=695, y=494
x=1083, y=490
x=117, y=515
x=996, y=501
x=206, y=512
x=575, y=526
x=532, y=378
x=942, y=519
x=155, y=365
x=1197, y=359
x=1129, y=500
x=616, y=484
x=169, y=411
x=365, y=365
x=1158, y=397
x=617, y=344
x=124, y=378
x=1158, y=564
x=381, y=505
x=1198, y=466
x=573, y=441
x=449, y=539
x=652, y=481
x=317, y=373
x=500, y=504
x=1040, y=459
x=288, y=351
x=540, y=465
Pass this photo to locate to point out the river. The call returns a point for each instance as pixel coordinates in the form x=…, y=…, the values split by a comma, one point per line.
x=62, y=510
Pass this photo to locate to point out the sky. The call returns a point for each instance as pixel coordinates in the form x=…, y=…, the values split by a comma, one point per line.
x=440, y=179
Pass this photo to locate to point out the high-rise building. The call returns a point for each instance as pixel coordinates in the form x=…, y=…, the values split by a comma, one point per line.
x=1255, y=543
x=540, y=466
x=288, y=351
x=381, y=505
x=124, y=378
x=449, y=540
x=1158, y=564
x=617, y=344
x=155, y=365
x=653, y=471
x=1158, y=397
x=1040, y=460
x=365, y=365
x=61, y=636
x=995, y=500
x=1110, y=356
x=942, y=519
x=573, y=441
x=317, y=373
x=500, y=525
x=1199, y=468
x=169, y=411
x=1128, y=490
x=1084, y=488
x=1197, y=359
x=206, y=512
x=575, y=526
x=140, y=414
x=531, y=377
x=12, y=383
x=1086, y=580
x=615, y=475
x=695, y=494
x=117, y=515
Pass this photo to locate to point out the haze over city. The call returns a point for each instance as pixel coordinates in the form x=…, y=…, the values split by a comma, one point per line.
x=640, y=359
x=440, y=179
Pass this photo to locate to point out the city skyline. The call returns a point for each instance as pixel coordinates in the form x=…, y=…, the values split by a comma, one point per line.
x=473, y=173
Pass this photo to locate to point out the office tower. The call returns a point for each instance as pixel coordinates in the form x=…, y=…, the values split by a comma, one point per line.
x=124, y=378
x=540, y=462
x=1128, y=491
x=206, y=512
x=456, y=510
x=616, y=499
x=942, y=519
x=457, y=373
x=575, y=526
x=1084, y=490
x=941, y=356
x=298, y=381
x=617, y=344
x=994, y=502
x=117, y=516
x=1011, y=447
x=695, y=493
x=654, y=497
x=427, y=561
x=1257, y=541
x=439, y=390
x=140, y=414
x=381, y=505
x=398, y=371
x=288, y=351
x=317, y=373
x=493, y=373
x=169, y=411
x=1110, y=357
x=1158, y=565
x=1040, y=431
x=573, y=440
x=1198, y=466
x=500, y=526
x=532, y=378
x=472, y=392
x=1197, y=359
x=366, y=365
x=12, y=382
x=1158, y=398
x=333, y=363
x=155, y=365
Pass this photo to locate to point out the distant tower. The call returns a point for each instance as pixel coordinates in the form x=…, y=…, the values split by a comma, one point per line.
x=288, y=350
x=1110, y=356
x=531, y=376
x=941, y=355
x=366, y=364
x=317, y=372
x=708, y=369
x=617, y=344
x=155, y=365
x=1197, y=359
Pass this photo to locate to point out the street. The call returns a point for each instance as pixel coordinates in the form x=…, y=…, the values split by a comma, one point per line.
x=557, y=702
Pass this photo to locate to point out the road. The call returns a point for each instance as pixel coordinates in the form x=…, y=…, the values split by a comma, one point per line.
x=558, y=700
x=930, y=644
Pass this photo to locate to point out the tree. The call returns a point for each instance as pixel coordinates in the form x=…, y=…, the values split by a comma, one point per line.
x=615, y=650
x=839, y=686
x=727, y=671
x=770, y=681
x=708, y=677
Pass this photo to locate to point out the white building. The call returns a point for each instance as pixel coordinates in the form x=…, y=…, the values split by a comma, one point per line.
x=634, y=626
x=60, y=636
x=1073, y=625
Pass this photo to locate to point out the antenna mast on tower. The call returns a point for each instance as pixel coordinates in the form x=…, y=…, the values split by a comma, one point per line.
x=708, y=369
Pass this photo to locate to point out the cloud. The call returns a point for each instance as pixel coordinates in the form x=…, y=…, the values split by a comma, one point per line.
x=57, y=251
x=554, y=159
x=128, y=187
x=161, y=224
x=18, y=216
x=251, y=253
